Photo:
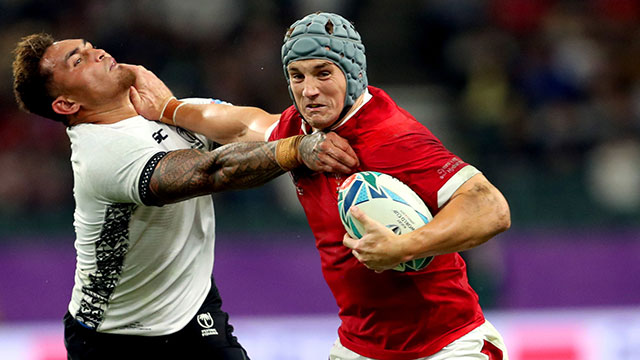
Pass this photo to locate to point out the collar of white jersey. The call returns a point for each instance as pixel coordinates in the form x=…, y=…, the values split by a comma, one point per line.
x=365, y=99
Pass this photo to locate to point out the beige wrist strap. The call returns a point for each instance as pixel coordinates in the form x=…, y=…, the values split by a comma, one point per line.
x=287, y=152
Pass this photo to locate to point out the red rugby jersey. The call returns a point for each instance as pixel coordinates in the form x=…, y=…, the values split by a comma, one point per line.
x=391, y=315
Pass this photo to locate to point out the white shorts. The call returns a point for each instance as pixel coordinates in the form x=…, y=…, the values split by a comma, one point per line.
x=481, y=343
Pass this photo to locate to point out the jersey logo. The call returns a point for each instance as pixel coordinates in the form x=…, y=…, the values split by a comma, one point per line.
x=206, y=322
x=191, y=139
x=158, y=136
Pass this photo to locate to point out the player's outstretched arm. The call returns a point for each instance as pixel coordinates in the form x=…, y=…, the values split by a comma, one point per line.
x=226, y=124
x=476, y=212
x=184, y=174
x=221, y=123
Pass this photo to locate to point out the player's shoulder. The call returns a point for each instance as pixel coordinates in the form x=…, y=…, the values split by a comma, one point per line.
x=121, y=140
x=129, y=128
x=289, y=124
x=290, y=114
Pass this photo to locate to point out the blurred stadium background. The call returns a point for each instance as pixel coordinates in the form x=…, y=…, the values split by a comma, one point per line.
x=542, y=95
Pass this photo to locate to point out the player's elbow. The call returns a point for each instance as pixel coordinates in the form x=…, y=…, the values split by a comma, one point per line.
x=504, y=218
x=501, y=219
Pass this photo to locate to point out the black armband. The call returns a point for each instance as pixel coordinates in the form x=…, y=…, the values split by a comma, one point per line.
x=145, y=178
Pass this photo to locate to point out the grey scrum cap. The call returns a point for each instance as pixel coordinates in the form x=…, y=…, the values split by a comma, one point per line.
x=332, y=37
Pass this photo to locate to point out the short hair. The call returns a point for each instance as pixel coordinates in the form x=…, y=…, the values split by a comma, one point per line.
x=31, y=83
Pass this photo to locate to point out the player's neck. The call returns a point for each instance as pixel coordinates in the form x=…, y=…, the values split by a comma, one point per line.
x=106, y=114
x=355, y=107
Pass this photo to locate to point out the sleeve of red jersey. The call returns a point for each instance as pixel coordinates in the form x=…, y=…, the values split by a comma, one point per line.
x=424, y=164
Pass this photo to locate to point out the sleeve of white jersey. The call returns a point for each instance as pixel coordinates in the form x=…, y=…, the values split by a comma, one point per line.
x=111, y=164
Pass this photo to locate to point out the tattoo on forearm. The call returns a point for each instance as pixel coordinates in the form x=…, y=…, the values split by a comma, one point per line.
x=245, y=165
x=308, y=146
x=184, y=174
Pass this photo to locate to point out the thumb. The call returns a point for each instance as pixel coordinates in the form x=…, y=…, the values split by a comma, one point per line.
x=128, y=66
x=134, y=96
x=363, y=218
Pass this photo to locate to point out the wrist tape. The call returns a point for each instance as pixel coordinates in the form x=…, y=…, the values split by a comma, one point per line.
x=169, y=110
x=287, y=152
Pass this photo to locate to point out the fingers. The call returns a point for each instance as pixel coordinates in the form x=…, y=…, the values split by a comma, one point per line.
x=328, y=153
x=134, y=96
x=348, y=241
x=359, y=214
x=347, y=155
x=340, y=159
x=334, y=154
x=367, y=223
x=368, y=264
x=357, y=255
x=372, y=250
x=330, y=164
x=137, y=70
x=352, y=243
x=129, y=66
x=148, y=93
x=358, y=248
x=146, y=79
x=360, y=254
x=339, y=149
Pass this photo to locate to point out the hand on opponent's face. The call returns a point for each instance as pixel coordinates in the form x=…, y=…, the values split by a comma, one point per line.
x=148, y=94
x=319, y=152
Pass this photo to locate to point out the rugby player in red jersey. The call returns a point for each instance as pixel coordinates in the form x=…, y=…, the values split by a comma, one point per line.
x=429, y=314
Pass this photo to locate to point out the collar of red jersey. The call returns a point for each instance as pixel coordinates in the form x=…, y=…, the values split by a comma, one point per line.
x=365, y=99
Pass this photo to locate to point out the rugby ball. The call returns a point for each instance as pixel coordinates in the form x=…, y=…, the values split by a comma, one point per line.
x=386, y=200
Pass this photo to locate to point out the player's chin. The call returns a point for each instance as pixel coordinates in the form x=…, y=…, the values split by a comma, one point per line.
x=318, y=121
x=126, y=76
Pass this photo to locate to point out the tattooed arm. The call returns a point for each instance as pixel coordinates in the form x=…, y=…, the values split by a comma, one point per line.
x=184, y=174
x=225, y=123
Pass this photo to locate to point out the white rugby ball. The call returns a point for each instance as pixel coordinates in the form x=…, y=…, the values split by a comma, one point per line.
x=386, y=200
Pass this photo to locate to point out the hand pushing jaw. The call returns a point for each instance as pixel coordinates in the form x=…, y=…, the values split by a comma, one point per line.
x=148, y=94
x=152, y=99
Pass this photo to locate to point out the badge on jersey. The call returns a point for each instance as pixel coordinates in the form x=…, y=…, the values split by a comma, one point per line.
x=205, y=320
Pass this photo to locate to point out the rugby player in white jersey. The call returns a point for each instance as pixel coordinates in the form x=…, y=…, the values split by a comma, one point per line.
x=144, y=221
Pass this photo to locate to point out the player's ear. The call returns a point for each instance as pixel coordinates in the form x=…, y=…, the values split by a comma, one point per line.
x=65, y=106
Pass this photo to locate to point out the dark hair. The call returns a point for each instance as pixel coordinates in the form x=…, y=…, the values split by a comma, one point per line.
x=31, y=83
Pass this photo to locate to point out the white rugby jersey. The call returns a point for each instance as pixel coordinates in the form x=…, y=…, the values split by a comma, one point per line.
x=140, y=270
